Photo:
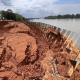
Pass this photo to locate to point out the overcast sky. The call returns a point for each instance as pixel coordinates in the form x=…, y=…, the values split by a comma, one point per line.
x=40, y=8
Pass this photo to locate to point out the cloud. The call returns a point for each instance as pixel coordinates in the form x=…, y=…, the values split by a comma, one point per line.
x=34, y=7
x=39, y=8
x=6, y=2
x=68, y=8
x=31, y=4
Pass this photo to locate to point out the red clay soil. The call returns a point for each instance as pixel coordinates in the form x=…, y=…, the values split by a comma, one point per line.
x=32, y=53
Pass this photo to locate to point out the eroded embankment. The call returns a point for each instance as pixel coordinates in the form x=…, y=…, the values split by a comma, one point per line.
x=33, y=53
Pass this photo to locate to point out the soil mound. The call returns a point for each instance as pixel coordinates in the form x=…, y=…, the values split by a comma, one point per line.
x=33, y=53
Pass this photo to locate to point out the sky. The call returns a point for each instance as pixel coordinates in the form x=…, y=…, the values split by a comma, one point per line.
x=41, y=8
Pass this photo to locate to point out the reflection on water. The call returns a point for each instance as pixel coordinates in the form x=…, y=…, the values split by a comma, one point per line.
x=69, y=24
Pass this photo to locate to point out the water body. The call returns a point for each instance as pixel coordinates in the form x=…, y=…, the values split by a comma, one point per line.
x=68, y=24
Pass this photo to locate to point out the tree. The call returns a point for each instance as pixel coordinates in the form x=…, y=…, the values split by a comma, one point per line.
x=10, y=15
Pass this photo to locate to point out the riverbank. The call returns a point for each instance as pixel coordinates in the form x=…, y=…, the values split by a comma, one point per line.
x=68, y=24
x=36, y=51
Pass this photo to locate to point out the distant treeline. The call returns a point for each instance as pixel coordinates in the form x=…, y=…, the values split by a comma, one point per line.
x=63, y=16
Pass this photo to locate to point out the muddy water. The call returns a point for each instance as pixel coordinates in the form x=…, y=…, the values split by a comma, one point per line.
x=68, y=24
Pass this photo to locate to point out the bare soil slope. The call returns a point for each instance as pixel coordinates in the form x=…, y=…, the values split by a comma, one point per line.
x=31, y=53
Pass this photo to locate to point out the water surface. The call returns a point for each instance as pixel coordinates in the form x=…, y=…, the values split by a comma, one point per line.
x=69, y=24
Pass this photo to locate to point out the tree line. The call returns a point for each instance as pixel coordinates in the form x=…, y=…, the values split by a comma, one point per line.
x=63, y=16
x=10, y=15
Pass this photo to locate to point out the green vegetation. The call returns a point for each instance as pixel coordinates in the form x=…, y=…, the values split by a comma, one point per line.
x=9, y=15
x=71, y=16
